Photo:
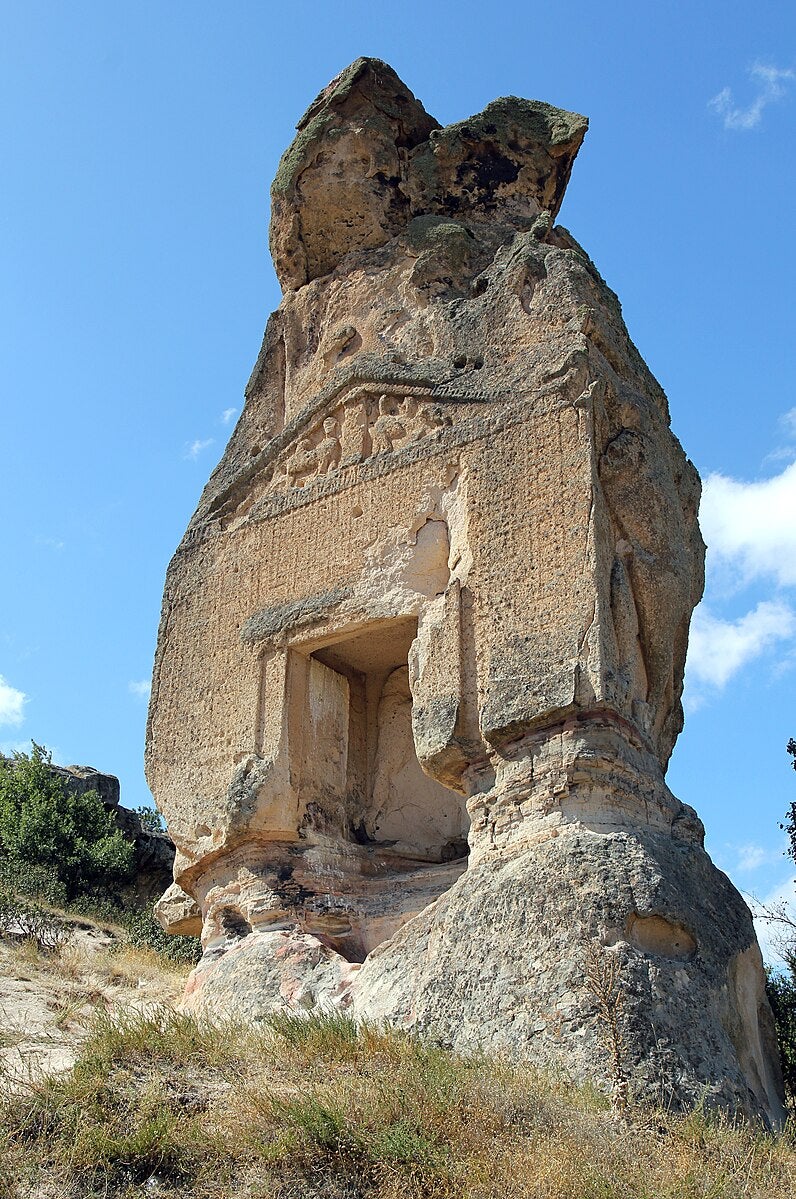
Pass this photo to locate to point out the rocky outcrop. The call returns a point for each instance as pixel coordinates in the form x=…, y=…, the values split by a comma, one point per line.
x=421, y=654
x=153, y=862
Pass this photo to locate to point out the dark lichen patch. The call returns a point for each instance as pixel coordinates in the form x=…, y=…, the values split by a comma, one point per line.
x=514, y=146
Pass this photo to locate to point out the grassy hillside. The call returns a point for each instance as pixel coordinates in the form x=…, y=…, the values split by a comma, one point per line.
x=157, y=1106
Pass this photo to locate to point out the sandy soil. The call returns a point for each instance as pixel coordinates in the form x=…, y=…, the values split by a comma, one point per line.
x=47, y=999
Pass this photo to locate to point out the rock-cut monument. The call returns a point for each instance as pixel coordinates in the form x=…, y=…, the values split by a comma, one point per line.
x=421, y=653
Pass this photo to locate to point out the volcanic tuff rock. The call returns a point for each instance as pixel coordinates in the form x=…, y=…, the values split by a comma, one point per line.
x=421, y=654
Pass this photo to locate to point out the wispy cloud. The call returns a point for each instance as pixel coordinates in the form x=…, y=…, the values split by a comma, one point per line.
x=719, y=649
x=194, y=448
x=9, y=748
x=12, y=704
x=751, y=857
x=50, y=543
x=141, y=688
x=788, y=422
x=227, y=415
x=786, y=452
x=772, y=84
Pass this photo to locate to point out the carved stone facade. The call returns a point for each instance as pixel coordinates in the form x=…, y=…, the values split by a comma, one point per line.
x=420, y=660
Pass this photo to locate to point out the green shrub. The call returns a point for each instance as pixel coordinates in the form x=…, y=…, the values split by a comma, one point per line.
x=141, y=926
x=44, y=824
x=150, y=819
x=32, y=881
x=104, y=909
x=143, y=929
x=65, y=850
x=781, y=990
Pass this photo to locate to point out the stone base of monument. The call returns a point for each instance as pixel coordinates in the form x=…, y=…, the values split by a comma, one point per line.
x=578, y=844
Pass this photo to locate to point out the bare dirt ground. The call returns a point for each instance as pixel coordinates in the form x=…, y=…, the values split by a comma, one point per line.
x=47, y=998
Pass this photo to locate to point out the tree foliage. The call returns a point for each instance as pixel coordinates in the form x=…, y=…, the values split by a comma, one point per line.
x=44, y=824
x=150, y=819
x=781, y=985
x=790, y=819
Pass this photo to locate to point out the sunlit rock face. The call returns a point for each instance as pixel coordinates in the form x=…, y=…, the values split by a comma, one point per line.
x=421, y=654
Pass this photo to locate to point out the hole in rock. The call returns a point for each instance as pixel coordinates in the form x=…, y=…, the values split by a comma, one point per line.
x=371, y=839
x=233, y=923
x=660, y=937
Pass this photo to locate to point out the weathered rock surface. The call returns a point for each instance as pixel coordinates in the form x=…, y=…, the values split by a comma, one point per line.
x=435, y=598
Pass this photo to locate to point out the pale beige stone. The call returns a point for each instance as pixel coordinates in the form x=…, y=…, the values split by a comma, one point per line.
x=436, y=592
x=178, y=912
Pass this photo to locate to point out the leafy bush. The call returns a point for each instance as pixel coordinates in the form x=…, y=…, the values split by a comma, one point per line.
x=33, y=881
x=44, y=824
x=65, y=850
x=150, y=819
x=144, y=930
x=781, y=987
x=781, y=990
x=141, y=926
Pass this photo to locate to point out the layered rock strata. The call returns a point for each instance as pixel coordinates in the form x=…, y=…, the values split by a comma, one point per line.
x=420, y=660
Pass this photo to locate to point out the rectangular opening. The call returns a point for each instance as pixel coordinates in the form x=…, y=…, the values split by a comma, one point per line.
x=390, y=802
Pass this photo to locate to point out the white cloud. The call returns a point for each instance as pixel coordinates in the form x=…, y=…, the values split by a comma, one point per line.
x=772, y=84
x=787, y=451
x=718, y=649
x=12, y=703
x=788, y=422
x=751, y=858
x=141, y=688
x=227, y=415
x=194, y=448
x=752, y=526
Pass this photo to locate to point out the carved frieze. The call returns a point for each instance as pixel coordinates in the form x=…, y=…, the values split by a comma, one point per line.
x=366, y=423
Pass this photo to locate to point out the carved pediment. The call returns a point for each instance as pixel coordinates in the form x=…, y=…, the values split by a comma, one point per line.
x=367, y=422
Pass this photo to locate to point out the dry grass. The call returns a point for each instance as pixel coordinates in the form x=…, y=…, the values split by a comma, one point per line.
x=95, y=972
x=156, y=1105
x=48, y=997
x=120, y=965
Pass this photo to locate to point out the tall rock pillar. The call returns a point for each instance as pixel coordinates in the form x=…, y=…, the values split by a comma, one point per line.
x=420, y=662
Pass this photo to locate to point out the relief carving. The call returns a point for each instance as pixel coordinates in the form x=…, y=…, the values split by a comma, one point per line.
x=363, y=425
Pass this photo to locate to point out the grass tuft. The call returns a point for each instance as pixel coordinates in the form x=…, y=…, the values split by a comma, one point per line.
x=298, y=1108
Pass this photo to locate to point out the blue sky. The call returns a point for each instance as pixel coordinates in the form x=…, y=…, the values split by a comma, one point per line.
x=138, y=142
